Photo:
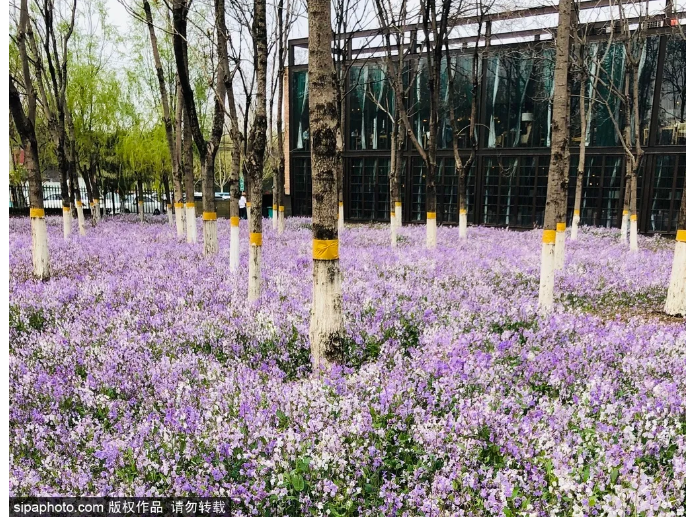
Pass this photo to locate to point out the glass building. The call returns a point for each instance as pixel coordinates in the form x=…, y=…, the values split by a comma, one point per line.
x=508, y=181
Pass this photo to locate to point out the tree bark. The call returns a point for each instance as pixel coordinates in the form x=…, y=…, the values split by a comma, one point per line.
x=675, y=299
x=257, y=144
x=326, y=326
x=559, y=157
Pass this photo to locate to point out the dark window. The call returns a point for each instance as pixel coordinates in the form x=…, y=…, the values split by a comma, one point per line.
x=300, y=111
x=369, y=189
x=301, y=187
x=671, y=129
x=371, y=103
x=519, y=92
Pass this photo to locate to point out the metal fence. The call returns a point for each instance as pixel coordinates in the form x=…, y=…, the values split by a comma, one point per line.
x=110, y=202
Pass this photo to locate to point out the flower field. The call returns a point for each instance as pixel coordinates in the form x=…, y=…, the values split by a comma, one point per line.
x=140, y=369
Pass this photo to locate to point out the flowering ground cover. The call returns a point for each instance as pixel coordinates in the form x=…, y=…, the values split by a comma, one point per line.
x=140, y=369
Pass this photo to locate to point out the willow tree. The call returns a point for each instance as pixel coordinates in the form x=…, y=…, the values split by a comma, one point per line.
x=256, y=148
x=326, y=324
x=675, y=299
x=559, y=157
x=206, y=148
x=25, y=123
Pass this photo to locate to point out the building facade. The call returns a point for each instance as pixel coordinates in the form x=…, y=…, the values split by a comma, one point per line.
x=507, y=184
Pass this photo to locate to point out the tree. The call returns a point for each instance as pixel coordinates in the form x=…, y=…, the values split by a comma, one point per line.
x=166, y=119
x=206, y=149
x=25, y=124
x=257, y=144
x=326, y=325
x=559, y=157
x=53, y=99
x=463, y=169
x=587, y=68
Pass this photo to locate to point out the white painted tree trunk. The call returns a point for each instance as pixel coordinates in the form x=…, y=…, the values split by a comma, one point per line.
x=254, y=270
x=170, y=214
x=463, y=225
x=234, y=244
x=97, y=210
x=281, y=219
x=675, y=299
x=191, y=231
x=394, y=230
x=275, y=217
x=560, y=246
x=623, y=227
x=399, y=215
x=431, y=230
x=341, y=217
x=326, y=324
x=545, y=294
x=80, y=220
x=633, y=233
x=141, y=211
x=575, y=227
x=67, y=223
x=210, y=244
x=179, y=213
x=39, y=244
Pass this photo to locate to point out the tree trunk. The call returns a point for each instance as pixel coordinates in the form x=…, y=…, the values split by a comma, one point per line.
x=394, y=180
x=141, y=201
x=675, y=299
x=579, y=186
x=637, y=160
x=257, y=146
x=187, y=154
x=280, y=170
x=179, y=211
x=326, y=326
x=559, y=157
x=96, y=210
x=25, y=128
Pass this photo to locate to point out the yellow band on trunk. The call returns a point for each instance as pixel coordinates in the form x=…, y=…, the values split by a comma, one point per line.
x=178, y=205
x=576, y=212
x=190, y=205
x=393, y=214
x=66, y=208
x=326, y=249
x=561, y=227
x=256, y=239
x=95, y=201
x=463, y=211
x=340, y=203
x=209, y=216
x=633, y=217
x=281, y=208
x=625, y=212
x=275, y=207
x=680, y=235
x=168, y=205
x=234, y=221
x=548, y=236
x=78, y=203
x=39, y=213
x=431, y=215
x=398, y=203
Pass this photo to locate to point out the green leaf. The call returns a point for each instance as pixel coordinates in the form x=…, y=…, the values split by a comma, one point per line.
x=508, y=512
x=515, y=492
x=297, y=482
x=614, y=476
x=585, y=474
